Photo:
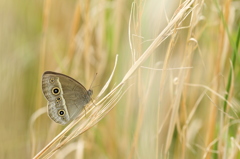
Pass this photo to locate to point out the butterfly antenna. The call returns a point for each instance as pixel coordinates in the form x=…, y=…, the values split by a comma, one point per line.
x=93, y=80
x=96, y=86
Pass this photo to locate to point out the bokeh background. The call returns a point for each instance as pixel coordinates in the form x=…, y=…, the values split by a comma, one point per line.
x=178, y=112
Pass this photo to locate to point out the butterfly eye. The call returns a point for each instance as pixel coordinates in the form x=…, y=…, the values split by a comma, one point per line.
x=51, y=80
x=61, y=112
x=58, y=100
x=55, y=91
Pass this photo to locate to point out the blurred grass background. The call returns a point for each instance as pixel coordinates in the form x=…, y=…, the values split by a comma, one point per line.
x=175, y=113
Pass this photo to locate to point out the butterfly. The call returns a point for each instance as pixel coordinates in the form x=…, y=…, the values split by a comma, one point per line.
x=66, y=97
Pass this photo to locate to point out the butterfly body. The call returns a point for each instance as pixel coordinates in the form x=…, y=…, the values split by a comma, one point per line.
x=66, y=97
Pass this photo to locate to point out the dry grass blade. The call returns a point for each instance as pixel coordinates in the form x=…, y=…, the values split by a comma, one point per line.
x=34, y=117
x=109, y=80
x=217, y=94
x=156, y=69
x=167, y=31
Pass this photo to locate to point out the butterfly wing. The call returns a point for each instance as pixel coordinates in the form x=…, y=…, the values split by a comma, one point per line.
x=65, y=104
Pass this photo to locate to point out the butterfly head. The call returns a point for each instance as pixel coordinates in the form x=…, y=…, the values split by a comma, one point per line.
x=90, y=92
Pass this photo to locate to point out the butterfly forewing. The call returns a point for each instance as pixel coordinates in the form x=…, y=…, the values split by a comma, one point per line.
x=75, y=95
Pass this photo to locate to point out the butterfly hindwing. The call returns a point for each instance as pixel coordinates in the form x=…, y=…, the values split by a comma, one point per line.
x=57, y=109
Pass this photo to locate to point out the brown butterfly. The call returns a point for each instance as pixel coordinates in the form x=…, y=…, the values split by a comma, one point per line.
x=66, y=97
